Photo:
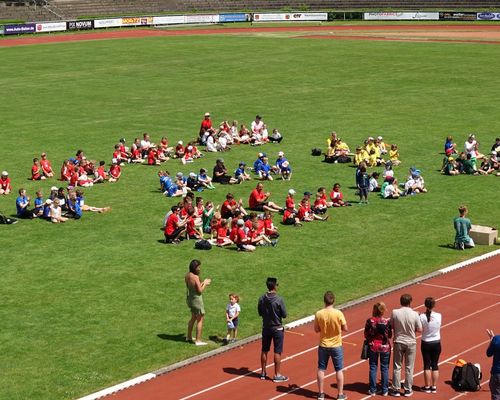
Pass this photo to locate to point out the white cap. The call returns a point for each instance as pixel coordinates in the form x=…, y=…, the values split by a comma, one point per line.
x=207, y=114
x=292, y=192
x=190, y=147
x=192, y=175
x=280, y=154
x=493, y=153
x=48, y=201
x=53, y=188
x=179, y=174
x=379, y=137
x=370, y=138
x=286, y=164
x=114, y=161
x=179, y=142
x=261, y=155
x=240, y=222
x=5, y=173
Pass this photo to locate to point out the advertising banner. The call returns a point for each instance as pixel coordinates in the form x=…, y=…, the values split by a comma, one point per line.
x=132, y=21
x=202, y=19
x=51, y=27
x=417, y=16
x=107, y=23
x=19, y=29
x=277, y=17
x=488, y=16
x=80, y=25
x=235, y=17
x=169, y=19
x=458, y=16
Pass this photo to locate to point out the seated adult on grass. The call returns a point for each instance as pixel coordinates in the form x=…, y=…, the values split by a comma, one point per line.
x=258, y=200
x=220, y=174
x=462, y=227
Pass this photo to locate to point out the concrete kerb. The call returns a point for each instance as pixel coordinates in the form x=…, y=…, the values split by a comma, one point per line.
x=291, y=325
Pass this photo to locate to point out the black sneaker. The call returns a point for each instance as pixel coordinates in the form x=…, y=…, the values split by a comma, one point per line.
x=426, y=389
x=408, y=393
x=321, y=396
x=263, y=377
x=394, y=393
x=280, y=378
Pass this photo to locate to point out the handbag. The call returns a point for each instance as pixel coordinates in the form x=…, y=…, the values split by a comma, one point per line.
x=364, y=350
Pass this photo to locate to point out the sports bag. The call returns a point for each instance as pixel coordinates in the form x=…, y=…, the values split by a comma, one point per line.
x=466, y=378
x=203, y=245
x=316, y=152
x=6, y=220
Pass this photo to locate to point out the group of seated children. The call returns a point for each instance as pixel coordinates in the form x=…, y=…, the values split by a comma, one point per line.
x=57, y=208
x=390, y=189
x=265, y=171
x=79, y=171
x=230, y=225
x=180, y=184
x=221, y=138
x=467, y=162
x=338, y=151
x=372, y=153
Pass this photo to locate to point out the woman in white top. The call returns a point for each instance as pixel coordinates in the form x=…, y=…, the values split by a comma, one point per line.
x=471, y=147
x=431, y=344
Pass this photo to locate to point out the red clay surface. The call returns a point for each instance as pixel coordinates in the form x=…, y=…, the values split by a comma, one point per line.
x=469, y=300
x=441, y=33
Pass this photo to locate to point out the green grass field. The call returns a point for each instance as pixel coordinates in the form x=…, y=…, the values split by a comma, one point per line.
x=94, y=302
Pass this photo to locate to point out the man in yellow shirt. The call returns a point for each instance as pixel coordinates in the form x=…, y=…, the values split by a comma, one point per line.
x=330, y=323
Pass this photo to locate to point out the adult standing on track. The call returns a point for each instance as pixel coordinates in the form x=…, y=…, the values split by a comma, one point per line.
x=378, y=331
x=405, y=323
x=194, y=299
x=431, y=344
x=494, y=351
x=271, y=308
x=330, y=323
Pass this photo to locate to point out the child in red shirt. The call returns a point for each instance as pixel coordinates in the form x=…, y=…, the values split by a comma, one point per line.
x=36, y=171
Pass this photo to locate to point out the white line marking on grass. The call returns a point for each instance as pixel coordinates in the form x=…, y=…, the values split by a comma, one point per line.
x=468, y=262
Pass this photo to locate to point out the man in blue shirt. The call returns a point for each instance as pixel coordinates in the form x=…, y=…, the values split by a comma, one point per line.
x=494, y=351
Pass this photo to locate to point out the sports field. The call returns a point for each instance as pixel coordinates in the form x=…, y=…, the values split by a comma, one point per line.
x=97, y=301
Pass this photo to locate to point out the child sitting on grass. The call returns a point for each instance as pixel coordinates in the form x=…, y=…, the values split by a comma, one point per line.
x=394, y=155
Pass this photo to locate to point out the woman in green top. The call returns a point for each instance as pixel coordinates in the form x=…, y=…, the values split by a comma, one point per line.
x=194, y=300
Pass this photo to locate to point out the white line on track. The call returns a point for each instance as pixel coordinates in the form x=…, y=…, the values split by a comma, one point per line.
x=454, y=288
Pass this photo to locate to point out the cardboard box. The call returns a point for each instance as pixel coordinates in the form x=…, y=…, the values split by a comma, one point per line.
x=483, y=234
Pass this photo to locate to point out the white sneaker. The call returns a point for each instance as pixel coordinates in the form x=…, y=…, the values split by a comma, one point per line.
x=200, y=343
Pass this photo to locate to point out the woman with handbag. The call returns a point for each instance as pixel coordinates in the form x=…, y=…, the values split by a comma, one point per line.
x=378, y=331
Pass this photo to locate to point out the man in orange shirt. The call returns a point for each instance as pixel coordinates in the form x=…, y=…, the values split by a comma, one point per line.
x=330, y=323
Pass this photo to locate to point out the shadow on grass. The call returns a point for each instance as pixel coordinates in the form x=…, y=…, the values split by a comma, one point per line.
x=178, y=337
x=448, y=246
x=301, y=392
x=216, y=339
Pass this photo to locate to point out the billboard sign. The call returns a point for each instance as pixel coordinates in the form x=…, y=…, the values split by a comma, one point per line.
x=19, y=29
x=398, y=16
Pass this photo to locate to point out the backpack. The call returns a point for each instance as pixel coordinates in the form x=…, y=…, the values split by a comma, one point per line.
x=203, y=245
x=316, y=152
x=466, y=378
x=6, y=220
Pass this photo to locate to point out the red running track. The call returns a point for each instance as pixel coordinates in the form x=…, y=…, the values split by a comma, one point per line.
x=468, y=298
